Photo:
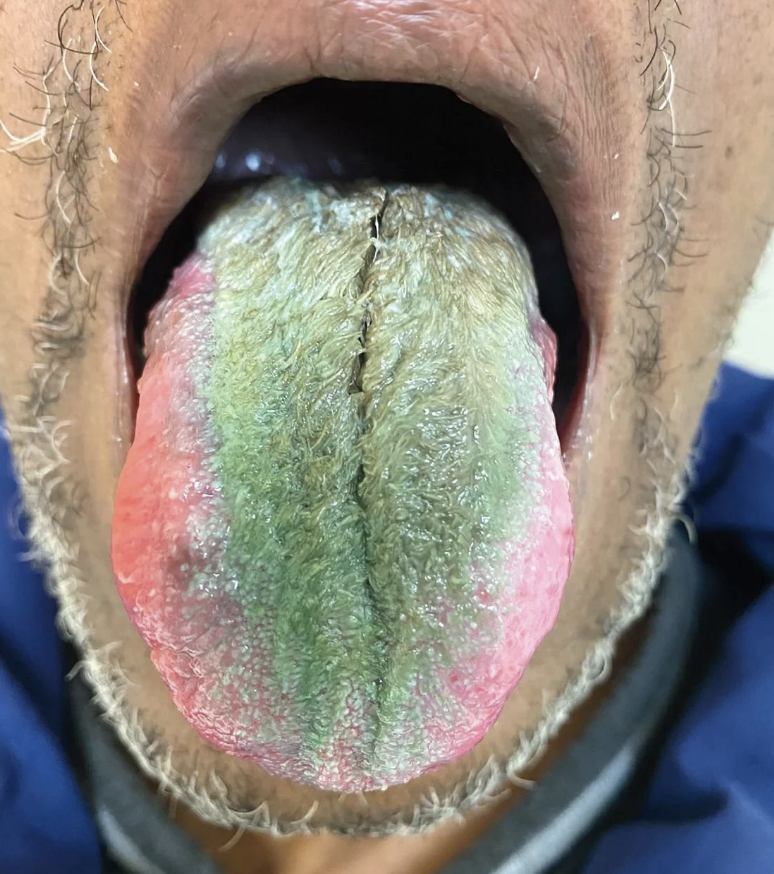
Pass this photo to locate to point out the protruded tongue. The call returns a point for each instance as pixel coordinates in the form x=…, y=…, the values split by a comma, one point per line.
x=343, y=526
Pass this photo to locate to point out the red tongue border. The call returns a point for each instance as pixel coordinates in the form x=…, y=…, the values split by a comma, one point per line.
x=165, y=490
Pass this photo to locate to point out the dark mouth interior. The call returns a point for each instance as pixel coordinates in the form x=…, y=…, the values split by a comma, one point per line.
x=329, y=130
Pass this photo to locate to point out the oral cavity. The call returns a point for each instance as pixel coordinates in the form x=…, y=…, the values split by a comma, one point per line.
x=343, y=527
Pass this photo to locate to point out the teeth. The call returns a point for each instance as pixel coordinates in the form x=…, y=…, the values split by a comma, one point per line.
x=253, y=162
x=243, y=166
x=262, y=164
x=344, y=526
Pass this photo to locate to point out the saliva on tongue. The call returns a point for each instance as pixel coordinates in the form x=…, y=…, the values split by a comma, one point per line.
x=343, y=526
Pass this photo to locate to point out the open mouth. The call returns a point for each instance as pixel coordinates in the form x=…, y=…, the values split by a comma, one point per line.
x=330, y=130
x=343, y=642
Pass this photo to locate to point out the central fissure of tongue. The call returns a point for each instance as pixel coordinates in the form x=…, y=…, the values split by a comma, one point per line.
x=343, y=526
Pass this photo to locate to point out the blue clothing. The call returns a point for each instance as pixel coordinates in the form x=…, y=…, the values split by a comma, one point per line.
x=710, y=808
x=45, y=824
x=735, y=470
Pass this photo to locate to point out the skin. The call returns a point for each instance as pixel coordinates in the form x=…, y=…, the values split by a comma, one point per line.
x=619, y=141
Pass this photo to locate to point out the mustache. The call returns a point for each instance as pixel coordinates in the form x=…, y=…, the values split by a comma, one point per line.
x=65, y=140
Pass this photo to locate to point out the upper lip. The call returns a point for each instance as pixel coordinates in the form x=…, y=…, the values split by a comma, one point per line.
x=179, y=111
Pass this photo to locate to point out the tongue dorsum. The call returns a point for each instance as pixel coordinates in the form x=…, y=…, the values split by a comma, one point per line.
x=343, y=527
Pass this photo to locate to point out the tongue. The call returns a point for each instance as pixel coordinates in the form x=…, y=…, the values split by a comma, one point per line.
x=343, y=526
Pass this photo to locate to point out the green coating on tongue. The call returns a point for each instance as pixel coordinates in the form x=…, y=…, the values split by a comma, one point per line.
x=370, y=448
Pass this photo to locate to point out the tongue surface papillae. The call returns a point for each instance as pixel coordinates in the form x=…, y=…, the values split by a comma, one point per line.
x=343, y=526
